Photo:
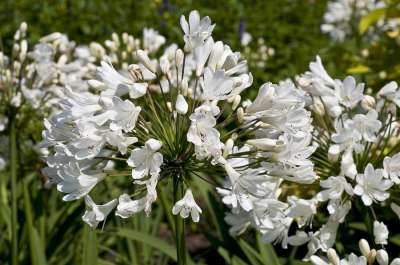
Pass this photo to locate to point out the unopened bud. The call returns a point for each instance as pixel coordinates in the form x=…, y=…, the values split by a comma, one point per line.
x=382, y=257
x=181, y=105
x=23, y=27
x=179, y=57
x=184, y=87
x=24, y=49
x=135, y=72
x=240, y=114
x=164, y=65
x=145, y=60
x=333, y=152
x=333, y=257
x=96, y=84
x=364, y=247
x=371, y=257
x=236, y=101
x=368, y=102
x=228, y=147
x=169, y=106
x=318, y=107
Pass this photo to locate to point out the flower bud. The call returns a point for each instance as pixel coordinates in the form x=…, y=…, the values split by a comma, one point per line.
x=145, y=60
x=164, y=65
x=318, y=107
x=266, y=144
x=333, y=257
x=181, y=105
x=97, y=50
x=96, y=84
x=371, y=257
x=240, y=114
x=23, y=27
x=364, y=247
x=24, y=49
x=184, y=87
x=135, y=72
x=382, y=257
x=153, y=144
x=125, y=38
x=317, y=260
x=228, y=147
x=15, y=48
x=169, y=106
x=179, y=57
x=236, y=101
x=334, y=152
x=368, y=102
x=396, y=261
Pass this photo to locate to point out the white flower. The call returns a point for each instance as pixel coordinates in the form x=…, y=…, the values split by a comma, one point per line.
x=187, y=206
x=127, y=207
x=152, y=40
x=301, y=210
x=381, y=233
x=391, y=92
x=203, y=134
x=215, y=85
x=196, y=31
x=118, y=139
x=125, y=115
x=367, y=125
x=146, y=160
x=118, y=84
x=349, y=93
x=392, y=167
x=372, y=186
x=334, y=188
x=97, y=213
x=75, y=182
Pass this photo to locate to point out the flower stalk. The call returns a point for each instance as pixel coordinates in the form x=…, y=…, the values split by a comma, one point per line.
x=13, y=169
x=179, y=224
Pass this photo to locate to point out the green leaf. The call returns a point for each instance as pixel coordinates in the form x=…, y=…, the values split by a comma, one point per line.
x=370, y=19
x=38, y=256
x=149, y=240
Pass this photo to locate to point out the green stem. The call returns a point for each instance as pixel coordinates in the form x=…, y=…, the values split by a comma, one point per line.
x=13, y=165
x=179, y=224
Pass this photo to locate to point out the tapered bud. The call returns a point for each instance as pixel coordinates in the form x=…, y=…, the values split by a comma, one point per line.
x=333, y=152
x=228, y=147
x=145, y=60
x=368, y=102
x=333, y=257
x=382, y=257
x=371, y=256
x=240, y=114
x=179, y=57
x=169, y=106
x=364, y=247
x=236, y=101
x=96, y=84
x=181, y=105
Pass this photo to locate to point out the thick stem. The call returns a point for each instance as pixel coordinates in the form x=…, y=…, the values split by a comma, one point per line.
x=13, y=166
x=179, y=224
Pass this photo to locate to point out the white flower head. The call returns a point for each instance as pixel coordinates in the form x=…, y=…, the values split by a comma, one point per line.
x=372, y=186
x=196, y=30
x=187, y=206
x=381, y=233
x=146, y=160
x=97, y=213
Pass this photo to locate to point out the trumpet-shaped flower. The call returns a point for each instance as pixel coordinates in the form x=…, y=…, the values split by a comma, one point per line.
x=187, y=206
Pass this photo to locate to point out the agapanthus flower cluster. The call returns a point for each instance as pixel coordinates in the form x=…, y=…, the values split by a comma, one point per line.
x=162, y=117
x=32, y=80
x=171, y=116
x=342, y=17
